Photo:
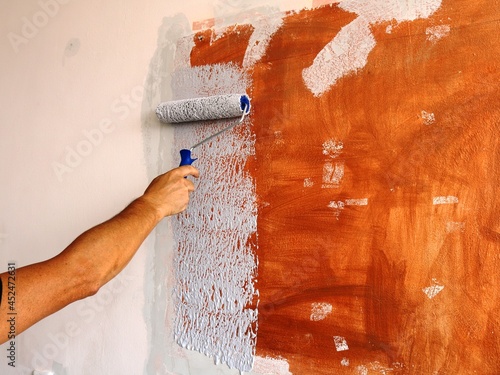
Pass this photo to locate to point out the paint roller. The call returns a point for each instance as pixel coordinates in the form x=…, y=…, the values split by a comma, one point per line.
x=202, y=109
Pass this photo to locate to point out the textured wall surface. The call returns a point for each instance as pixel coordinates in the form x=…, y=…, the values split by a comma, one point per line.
x=354, y=214
x=375, y=167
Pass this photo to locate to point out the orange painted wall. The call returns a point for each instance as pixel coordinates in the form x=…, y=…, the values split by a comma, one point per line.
x=413, y=284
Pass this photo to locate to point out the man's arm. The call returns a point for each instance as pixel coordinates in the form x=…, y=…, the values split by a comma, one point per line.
x=96, y=256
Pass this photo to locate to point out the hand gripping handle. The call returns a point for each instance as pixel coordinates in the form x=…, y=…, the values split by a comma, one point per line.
x=186, y=157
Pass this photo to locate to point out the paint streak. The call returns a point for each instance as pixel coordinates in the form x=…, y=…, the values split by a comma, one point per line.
x=216, y=266
x=348, y=52
x=345, y=54
x=183, y=50
x=445, y=200
x=264, y=29
x=386, y=10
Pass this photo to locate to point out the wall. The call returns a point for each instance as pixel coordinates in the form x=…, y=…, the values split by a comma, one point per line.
x=376, y=226
x=73, y=153
x=72, y=83
x=366, y=205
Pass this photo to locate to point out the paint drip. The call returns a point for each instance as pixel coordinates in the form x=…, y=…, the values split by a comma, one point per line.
x=216, y=265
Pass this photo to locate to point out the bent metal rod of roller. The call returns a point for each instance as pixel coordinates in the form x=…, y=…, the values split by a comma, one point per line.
x=223, y=130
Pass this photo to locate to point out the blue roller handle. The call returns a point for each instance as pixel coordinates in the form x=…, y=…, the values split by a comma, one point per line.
x=186, y=157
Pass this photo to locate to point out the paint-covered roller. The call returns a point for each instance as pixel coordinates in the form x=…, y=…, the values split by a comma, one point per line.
x=207, y=108
x=201, y=109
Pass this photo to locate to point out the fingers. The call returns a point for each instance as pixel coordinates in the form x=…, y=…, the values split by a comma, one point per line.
x=190, y=185
x=169, y=192
x=188, y=170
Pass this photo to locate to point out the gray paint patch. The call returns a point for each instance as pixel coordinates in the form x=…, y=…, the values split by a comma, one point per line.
x=216, y=265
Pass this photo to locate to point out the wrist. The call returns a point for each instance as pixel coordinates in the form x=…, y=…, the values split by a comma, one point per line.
x=149, y=208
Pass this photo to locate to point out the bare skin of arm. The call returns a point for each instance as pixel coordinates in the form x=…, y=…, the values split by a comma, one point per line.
x=95, y=257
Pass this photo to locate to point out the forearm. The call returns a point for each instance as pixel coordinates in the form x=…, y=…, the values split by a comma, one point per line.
x=96, y=256
x=108, y=247
x=89, y=262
